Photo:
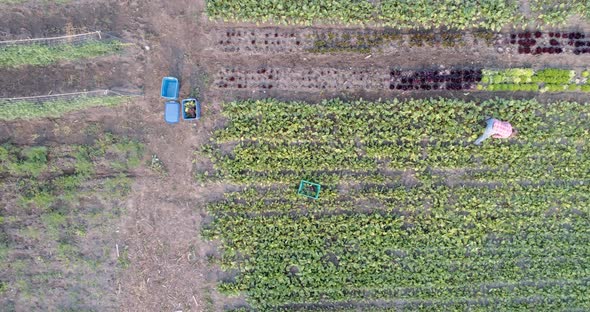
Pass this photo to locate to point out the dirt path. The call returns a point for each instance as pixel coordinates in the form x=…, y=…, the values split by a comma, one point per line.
x=161, y=230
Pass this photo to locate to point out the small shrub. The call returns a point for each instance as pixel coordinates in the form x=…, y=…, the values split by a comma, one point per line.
x=158, y=166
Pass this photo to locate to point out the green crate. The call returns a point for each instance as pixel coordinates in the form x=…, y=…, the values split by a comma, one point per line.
x=309, y=189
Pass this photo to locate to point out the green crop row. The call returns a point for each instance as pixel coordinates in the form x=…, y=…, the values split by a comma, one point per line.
x=382, y=251
x=516, y=161
x=335, y=138
x=486, y=14
x=526, y=79
x=409, y=122
x=12, y=110
x=40, y=55
x=529, y=202
x=527, y=75
x=556, y=12
x=410, y=210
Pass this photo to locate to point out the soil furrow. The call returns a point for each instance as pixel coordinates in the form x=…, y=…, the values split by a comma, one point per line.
x=288, y=46
x=102, y=73
x=49, y=20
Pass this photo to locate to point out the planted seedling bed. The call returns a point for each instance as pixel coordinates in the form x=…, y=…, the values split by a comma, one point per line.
x=554, y=42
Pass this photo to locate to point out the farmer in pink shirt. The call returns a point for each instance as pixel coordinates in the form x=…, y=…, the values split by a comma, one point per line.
x=496, y=129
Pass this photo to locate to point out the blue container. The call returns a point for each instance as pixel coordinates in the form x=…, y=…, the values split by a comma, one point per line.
x=185, y=111
x=172, y=112
x=170, y=88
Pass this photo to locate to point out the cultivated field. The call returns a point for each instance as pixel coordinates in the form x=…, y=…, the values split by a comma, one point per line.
x=105, y=207
x=412, y=215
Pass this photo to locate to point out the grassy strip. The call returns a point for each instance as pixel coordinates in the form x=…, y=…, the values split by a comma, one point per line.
x=57, y=108
x=40, y=55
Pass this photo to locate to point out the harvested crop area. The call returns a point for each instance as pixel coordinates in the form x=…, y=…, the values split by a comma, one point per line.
x=411, y=215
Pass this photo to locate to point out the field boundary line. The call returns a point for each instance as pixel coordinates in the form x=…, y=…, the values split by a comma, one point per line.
x=97, y=32
x=104, y=92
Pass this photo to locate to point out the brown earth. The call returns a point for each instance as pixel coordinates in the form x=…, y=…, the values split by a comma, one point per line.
x=39, y=19
x=168, y=269
x=109, y=72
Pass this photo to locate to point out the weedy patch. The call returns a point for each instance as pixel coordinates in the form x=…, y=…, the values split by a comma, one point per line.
x=39, y=55
x=13, y=110
x=67, y=196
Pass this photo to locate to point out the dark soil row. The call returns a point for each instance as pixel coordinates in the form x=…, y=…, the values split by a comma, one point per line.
x=346, y=79
x=276, y=40
x=318, y=40
x=104, y=73
x=49, y=20
x=300, y=78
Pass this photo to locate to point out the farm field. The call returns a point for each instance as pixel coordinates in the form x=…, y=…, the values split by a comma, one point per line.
x=377, y=104
x=409, y=217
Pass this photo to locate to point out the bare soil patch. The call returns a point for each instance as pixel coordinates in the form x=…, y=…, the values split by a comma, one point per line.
x=111, y=72
x=37, y=20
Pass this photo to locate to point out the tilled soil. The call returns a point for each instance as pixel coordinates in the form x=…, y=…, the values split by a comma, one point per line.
x=348, y=78
x=108, y=72
x=38, y=20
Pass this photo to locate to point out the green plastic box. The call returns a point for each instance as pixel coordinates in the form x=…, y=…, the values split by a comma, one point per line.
x=309, y=189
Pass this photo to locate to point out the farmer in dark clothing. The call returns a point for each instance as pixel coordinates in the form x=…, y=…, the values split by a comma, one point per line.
x=496, y=129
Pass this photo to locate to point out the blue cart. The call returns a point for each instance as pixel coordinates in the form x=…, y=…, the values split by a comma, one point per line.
x=170, y=88
x=172, y=112
x=191, y=109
